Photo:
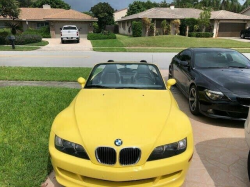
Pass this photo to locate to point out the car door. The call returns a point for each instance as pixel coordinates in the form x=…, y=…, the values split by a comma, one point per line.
x=185, y=74
x=176, y=68
x=182, y=72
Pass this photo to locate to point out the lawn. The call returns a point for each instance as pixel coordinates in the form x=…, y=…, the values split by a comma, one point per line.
x=43, y=74
x=18, y=48
x=167, y=43
x=42, y=43
x=26, y=117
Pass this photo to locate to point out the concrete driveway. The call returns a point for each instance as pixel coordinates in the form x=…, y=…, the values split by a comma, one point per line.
x=236, y=39
x=56, y=45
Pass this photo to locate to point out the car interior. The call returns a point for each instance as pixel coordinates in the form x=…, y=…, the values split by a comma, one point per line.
x=126, y=74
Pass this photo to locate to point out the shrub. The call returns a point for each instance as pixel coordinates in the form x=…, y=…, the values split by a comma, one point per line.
x=152, y=29
x=191, y=22
x=137, y=28
x=95, y=28
x=101, y=36
x=176, y=23
x=43, y=31
x=25, y=39
x=200, y=34
x=3, y=35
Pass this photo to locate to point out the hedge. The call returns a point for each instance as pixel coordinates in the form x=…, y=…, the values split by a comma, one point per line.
x=137, y=28
x=25, y=39
x=3, y=36
x=191, y=22
x=200, y=34
x=43, y=31
x=101, y=36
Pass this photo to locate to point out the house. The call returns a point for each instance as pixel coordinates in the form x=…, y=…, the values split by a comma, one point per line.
x=120, y=13
x=225, y=23
x=54, y=18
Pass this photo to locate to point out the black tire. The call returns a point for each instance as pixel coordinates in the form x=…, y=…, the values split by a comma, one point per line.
x=78, y=41
x=248, y=165
x=62, y=41
x=193, y=101
x=242, y=36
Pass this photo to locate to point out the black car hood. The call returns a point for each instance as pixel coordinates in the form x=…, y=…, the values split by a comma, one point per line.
x=235, y=80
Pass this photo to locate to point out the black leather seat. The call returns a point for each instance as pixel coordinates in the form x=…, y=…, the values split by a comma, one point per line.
x=110, y=75
x=144, y=76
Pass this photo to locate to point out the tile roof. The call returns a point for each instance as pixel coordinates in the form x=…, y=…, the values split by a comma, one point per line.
x=70, y=14
x=181, y=13
x=246, y=9
x=41, y=14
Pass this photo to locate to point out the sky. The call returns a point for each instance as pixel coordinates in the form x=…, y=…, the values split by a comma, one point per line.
x=85, y=5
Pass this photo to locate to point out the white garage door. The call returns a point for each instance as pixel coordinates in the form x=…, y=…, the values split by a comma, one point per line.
x=83, y=26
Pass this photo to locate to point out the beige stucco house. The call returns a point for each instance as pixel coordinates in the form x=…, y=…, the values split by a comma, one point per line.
x=120, y=14
x=54, y=18
x=225, y=23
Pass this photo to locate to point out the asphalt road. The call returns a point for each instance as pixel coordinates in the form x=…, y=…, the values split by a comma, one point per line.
x=77, y=58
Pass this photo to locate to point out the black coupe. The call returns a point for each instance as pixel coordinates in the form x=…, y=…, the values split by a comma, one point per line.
x=215, y=81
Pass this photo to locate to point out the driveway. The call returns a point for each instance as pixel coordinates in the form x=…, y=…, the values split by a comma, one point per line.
x=220, y=156
x=236, y=39
x=56, y=45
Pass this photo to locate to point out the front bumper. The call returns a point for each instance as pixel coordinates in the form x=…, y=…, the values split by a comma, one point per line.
x=227, y=109
x=76, y=172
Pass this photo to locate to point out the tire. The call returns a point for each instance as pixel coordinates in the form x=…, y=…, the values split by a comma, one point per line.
x=242, y=36
x=248, y=165
x=193, y=101
x=62, y=41
x=78, y=41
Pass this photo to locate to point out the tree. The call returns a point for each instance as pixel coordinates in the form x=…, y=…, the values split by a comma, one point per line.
x=165, y=27
x=25, y=3
x=9, y=8
x=146, y=22
x=52, y=3
x=135, y=7
x=163, y=4
x=176, y=23
x=140, y=6
x=104, y=12
x=89, y=13
x=204, y=19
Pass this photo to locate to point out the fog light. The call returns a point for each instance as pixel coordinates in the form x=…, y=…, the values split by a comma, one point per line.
x=210, y=111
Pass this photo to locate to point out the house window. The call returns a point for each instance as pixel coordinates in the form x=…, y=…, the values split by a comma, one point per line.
x=41, y=24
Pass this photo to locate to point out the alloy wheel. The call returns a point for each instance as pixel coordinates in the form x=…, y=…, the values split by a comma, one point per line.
x=192, y=99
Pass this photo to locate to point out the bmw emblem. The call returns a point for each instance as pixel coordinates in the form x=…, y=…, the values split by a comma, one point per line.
x=118, y=142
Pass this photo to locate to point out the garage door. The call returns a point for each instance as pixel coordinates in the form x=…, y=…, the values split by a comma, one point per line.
x=83, y=26
x=230, y=29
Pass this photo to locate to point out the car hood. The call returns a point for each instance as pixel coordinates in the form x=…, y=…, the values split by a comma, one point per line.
x=136, y=116
x=235, y=80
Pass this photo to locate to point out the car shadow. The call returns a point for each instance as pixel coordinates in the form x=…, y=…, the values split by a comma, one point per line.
x=204, y=120
x=224, y=159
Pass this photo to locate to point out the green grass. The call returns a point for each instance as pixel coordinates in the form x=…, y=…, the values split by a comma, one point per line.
x=42, y=43
x=107, y=49
x=43, y=74
x=169, y=42
x=107, y=43
x=26, y=117
x=18, y=48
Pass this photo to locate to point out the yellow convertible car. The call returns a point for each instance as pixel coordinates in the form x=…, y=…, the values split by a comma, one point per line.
x=124, y=128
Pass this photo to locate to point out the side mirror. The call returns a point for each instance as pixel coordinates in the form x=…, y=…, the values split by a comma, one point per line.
x=185, y=63
x=170, y=83
x=81, y=81
x=60, y=28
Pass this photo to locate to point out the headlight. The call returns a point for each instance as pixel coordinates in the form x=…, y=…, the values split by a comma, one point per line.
x=214, y=95
x=168, y=150
x=70, y=148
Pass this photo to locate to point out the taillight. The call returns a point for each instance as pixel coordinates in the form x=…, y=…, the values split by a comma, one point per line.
x=77, y=33
x=61, y=33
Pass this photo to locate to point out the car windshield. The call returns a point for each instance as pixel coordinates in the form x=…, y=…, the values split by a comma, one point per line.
x=125, y=76
x=69, y=28
x=220, y=59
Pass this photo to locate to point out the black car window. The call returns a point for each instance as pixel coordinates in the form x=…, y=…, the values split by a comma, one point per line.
x=185, y=56
x=220, y=59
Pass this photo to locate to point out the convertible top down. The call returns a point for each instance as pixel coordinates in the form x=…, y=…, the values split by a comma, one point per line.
x=124, y=128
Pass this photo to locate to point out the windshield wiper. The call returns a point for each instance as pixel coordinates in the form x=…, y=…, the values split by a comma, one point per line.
x=241, y=67
x=97, y=86
x=127, y=87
